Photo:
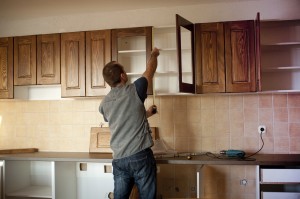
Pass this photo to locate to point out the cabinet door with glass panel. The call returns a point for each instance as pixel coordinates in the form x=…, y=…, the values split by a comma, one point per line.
x=132, y=48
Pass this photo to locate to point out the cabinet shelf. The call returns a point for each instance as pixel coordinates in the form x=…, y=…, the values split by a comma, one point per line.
x=131, y=51
x=33, y=192
x=280, y=68
x=291, y=43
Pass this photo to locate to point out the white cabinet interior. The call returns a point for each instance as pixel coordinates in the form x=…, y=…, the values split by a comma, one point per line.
x=279, y=182
x=166, y=76
x=166, y=79
x=280, y=55
x=132, y=55
x=29, y=179
x=83, y=180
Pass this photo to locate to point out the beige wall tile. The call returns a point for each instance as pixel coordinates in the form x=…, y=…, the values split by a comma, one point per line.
x=294, y=145
x=251, y=114
x=281, y=145
x=236, y=102
x=280, y=100
x=207, y=102
x=294, y=114
x=294, y=129
x=281, y=129
x=265, y=115
x=222, y=102
x=251, y=101
x=265, y=101
x=280, y=114
x=293, y=100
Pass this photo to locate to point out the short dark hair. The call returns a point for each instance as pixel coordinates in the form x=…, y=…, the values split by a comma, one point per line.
x=112, y=73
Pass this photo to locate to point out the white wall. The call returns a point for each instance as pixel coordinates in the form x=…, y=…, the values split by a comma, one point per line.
x=237, y=10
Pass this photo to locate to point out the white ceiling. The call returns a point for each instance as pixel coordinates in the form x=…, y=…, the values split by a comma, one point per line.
x=26, y=9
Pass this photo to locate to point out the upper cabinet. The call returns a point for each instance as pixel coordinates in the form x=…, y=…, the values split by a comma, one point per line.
x=73, y=64
x=225, y=59
x=25, y=60
x=6, y=68
x=37, y=60
x=98, y=53
x=132, y=48
x=48, y=59
x=280, y=55
x=83, y=56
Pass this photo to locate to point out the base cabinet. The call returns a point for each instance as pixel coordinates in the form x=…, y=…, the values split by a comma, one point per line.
x=57, y=180
x=83, y=180
x=28, y=179
x=279, y=182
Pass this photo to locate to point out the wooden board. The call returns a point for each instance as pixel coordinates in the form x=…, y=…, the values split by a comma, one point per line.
x=13, y=151
x=100, y=139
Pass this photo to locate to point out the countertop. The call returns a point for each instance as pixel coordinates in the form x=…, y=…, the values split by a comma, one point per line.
x=202, y=158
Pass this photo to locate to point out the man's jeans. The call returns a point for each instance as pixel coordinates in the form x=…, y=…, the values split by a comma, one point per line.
x=139, y=169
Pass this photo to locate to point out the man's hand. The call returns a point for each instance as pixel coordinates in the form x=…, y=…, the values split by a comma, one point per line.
x=151, y=111
x=151, y=65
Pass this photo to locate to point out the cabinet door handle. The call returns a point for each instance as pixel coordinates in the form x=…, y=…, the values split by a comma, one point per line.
x=83, y=166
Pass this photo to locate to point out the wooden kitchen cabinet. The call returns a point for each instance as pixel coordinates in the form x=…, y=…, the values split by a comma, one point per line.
x=280, y=56
x=6, y=68
x=73, y=64
x=132, y=48
x=98, y=53
x=225, y=59
x=166, y=78
x=83, y=56
x=48, y=59
x=25, y=60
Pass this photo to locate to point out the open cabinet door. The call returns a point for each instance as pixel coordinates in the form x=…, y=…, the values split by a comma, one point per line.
x=185, y=51
x=257, y=49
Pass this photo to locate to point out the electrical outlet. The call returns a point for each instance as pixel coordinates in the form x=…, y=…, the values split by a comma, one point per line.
x=262, y=129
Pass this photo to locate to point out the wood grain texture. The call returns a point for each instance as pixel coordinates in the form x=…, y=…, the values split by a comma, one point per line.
x=25, y=60
x=210, y=61
x=98, y=53
x=73, y=64
x=15, y=151
x=240, y=56
x=100, y=139
x=48, y=59
x=6, y=68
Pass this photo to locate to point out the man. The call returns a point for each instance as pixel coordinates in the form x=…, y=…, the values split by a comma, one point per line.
x=123, y=108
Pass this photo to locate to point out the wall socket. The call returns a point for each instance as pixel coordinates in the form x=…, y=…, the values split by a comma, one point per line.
x=262, y=129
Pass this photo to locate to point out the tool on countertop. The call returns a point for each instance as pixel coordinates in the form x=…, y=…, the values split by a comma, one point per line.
x=233, y=153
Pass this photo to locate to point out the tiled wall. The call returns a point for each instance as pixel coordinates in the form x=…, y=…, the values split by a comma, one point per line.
x=186, y=123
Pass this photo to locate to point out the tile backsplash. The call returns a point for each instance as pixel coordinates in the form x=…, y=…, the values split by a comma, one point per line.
x=194, y=123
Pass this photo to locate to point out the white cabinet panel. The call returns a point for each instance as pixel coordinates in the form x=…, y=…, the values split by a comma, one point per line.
x=278, y=195
x=94, y=180
x=280, y=175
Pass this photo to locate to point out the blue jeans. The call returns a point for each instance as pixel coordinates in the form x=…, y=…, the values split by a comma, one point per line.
x=139, y=169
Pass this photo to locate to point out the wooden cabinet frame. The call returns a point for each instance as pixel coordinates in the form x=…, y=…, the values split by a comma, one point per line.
x=6, y=68
x=25, y=60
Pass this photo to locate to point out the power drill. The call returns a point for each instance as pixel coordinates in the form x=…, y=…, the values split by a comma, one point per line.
x=233, y=153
